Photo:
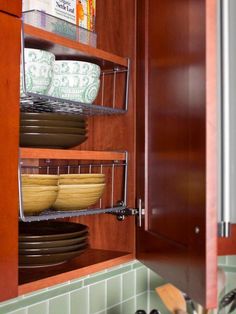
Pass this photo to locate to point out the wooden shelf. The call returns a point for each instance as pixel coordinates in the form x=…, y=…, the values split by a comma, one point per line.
x=90, y=262
x=42, y=153
x=67, y=48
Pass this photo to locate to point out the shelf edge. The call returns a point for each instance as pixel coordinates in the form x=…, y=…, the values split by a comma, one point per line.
x=63, y=41
x=44, y=153
x=74, y=274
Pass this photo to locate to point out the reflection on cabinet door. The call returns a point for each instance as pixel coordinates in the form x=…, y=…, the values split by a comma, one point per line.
x=12, y=7
x=176, y=143
x=9, y=107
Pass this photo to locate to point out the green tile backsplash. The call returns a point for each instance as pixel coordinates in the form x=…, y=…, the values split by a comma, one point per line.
x=119, y=290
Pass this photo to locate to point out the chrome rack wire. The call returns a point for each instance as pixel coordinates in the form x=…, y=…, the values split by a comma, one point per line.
x=116, y=206
x=33, y=102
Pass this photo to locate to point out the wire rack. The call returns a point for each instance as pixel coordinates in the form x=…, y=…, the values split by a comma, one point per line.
x=111, y=100
x=113, y=200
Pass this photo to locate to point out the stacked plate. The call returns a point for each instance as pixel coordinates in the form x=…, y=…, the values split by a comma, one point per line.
x=79, y=191
x=49, y=243
x=52, y=130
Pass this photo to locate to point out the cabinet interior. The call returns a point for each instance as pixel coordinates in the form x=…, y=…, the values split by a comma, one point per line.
x=112, y=242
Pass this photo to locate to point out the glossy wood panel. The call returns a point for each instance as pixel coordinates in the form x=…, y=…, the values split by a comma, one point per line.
x=116, y=34
x=176, y=94
x=89, y=262
x=9, y=116
x=70, y=154
x=64, y=47
x=13, y=7
x=227, y=246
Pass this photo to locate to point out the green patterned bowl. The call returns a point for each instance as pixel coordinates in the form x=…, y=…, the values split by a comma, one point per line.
x=38, y=70
x=75, y=80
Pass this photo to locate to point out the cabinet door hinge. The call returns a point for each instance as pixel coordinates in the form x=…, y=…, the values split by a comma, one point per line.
x=125, y=212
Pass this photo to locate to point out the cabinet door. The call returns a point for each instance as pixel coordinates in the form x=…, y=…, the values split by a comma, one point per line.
x=9, y=133
x=176, y=143
x=12, y=7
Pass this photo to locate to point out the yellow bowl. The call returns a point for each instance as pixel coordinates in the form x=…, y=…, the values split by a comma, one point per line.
x=39, y=179
x=38, y=198
x=80, y=196
x=83, y=178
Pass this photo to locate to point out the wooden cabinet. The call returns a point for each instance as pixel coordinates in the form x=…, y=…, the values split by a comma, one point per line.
x=9, y=114
x=13, y=7
x=169, y=132
x=177, y=153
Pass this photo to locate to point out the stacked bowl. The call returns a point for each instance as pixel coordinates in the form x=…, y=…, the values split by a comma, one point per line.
x=75, y=80
x=38, y=69
x=50, y=243
x=39, y=192
x=65, y=79
x=79, y=191
x=52, y=130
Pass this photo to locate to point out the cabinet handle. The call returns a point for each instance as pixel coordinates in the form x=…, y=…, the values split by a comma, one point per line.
x=225, y=119
x=141, y=211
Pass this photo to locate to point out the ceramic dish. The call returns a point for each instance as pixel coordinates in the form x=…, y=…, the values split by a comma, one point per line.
x=50, y=230
x=39, y=179
x=38, y=198
x=38, y=260
x=78, y=196
x=83, y=178
x=50, y=250
x=53, y=123
x=52, y=130
x=54, y=243
x=38, y=70
x=46, y=140
x=75, y=80
x=51, y=116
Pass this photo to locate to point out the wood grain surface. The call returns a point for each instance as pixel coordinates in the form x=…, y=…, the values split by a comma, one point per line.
x=9, y=116
x=176, y=82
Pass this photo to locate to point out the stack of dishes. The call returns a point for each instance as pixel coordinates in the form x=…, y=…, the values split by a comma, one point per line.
x=52, y=130
x=49, y=243
x=79, y=191
x=39, y=192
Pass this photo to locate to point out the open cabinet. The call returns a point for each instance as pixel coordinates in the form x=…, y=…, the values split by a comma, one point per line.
x=171, y=157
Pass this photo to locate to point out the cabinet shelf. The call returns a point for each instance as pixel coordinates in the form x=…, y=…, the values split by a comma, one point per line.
x=91, y=261
x=114, y=70
x=51, y=161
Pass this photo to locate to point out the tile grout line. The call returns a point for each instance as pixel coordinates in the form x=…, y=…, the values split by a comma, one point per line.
x=88, y=299
x=148, y=290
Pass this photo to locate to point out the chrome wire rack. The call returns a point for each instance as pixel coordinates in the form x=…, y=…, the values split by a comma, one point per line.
x=112, y=201
x=113, y=93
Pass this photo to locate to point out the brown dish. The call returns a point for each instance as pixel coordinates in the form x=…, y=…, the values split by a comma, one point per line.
x=33, y=122
x=38, y=260
x=47, y=140
x=50, y=230
x=54, y=243
x=51, y=250
x=51, y=116
x=52, y=129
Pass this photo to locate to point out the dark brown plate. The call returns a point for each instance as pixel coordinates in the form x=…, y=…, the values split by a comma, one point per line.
x=32, y=122
x=54, y=243
x=47, y=140
x=50, y=250
x=50, y=230
x=52, y=130
x=51, y=116
x=38, y=260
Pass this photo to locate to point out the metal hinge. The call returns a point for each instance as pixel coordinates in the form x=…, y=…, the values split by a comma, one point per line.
x=125, y=212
